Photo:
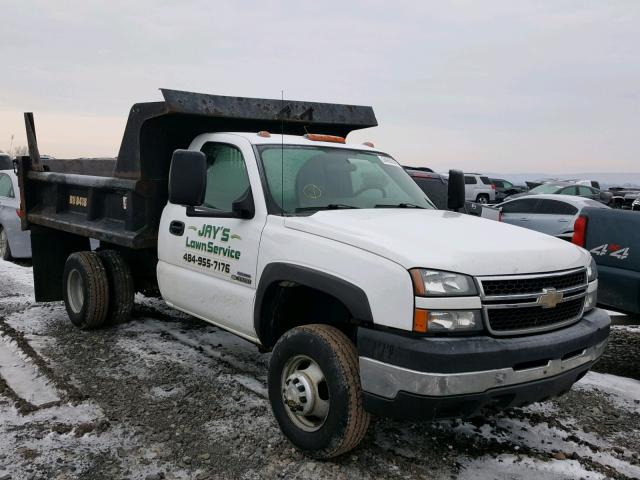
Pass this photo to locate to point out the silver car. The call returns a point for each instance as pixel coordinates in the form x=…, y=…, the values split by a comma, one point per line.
x=14, y=243
x=547, y=213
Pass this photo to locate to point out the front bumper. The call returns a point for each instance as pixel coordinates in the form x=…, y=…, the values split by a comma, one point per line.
x=440, y=377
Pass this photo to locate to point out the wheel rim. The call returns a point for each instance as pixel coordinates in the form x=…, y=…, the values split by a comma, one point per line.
x=75, y=294
x=482, y=200
x=4, y=242
x=305, y=393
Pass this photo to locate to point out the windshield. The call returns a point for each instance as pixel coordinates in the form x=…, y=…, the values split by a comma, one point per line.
x=320, y=178
x=545, y=188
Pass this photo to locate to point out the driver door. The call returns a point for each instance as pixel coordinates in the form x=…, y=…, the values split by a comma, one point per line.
x=207, y=255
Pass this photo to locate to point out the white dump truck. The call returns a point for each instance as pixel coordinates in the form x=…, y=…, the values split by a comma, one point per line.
x=258, y=217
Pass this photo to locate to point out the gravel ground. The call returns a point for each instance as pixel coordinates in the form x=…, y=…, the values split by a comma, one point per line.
x=168, y=396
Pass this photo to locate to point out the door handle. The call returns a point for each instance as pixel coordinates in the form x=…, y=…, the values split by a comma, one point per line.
x=563, y=221
x=176, y=227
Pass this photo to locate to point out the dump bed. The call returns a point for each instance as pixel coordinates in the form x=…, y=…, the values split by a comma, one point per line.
x=124, y=207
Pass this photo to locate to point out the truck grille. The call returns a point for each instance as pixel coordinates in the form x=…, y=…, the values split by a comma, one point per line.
x=533, y=285
x=512, y=304
x=512, y=319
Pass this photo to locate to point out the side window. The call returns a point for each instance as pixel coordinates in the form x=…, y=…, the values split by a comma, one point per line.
x=468, y=180
x=526, y=205
x=569, y=191
x=506, y=184
x=6, y=187
x=485, y=180
x=585, y=191
x=227, y=179
x=556, y=207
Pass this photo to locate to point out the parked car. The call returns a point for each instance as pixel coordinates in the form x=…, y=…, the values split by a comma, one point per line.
x=5, y=162
x=478, y=188
x=504, y=188
x=14, y=243
x=547, y=213
x=636, y=204
x=624, y=197
x=431, y=183
x=568, y=188
x=613, y=239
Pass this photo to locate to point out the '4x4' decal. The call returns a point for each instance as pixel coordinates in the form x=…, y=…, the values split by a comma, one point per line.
x=612, y=250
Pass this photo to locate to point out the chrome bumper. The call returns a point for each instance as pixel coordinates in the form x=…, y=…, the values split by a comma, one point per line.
x=386, y=380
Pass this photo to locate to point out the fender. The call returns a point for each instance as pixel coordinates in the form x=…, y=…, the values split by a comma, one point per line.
x=352, y=296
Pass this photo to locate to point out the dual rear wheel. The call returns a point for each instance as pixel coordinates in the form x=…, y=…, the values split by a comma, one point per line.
x=97, y=289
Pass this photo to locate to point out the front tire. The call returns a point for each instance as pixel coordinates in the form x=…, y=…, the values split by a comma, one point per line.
x=5, y=250
x=85, y=290
x=315, y=393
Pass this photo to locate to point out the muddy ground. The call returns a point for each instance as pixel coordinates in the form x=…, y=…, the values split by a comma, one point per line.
x=168, y=396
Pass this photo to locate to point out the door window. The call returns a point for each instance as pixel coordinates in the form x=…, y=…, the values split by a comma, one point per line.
x=585, y=191
x=227, y=179
x=569, y=191
x=555, y=207
x=6, y=187
x=470, y=180
x=526, y=205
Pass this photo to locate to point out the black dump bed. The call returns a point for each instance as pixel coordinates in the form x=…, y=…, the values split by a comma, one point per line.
x=123, y=207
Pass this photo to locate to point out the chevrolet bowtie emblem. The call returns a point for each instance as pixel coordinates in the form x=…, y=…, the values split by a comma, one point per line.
x=550, y=298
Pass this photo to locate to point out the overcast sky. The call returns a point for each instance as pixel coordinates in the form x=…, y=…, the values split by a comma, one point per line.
x=501, y=86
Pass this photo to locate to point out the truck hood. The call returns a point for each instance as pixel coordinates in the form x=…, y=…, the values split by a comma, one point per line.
x=444, y=240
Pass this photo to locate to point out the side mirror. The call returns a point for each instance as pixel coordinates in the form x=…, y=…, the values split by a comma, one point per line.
x=187, y=178
x=455, y=194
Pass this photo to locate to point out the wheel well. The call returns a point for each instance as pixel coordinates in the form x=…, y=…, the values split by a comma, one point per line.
x=289, y=304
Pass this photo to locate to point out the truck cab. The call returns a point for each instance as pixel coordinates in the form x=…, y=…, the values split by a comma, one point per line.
x=327, y=254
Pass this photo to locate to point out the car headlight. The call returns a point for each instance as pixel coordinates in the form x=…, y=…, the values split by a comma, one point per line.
x=435, y=283
x=592, y=271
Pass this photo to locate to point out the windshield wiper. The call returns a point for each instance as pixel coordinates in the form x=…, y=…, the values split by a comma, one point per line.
x=400, y=205
x=331, y=206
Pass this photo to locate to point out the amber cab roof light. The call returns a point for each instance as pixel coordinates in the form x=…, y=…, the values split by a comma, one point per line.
x=317, y=137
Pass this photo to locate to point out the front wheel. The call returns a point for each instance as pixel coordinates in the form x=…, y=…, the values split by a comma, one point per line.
x=314, y=390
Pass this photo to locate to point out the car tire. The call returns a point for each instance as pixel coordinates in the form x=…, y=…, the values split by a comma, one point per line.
x=5, y=250
x=85, y=290
x=121, y=289
x=315, y=367
x=482, y=198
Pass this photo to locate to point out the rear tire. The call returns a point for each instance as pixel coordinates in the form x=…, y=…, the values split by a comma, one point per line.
x=482, y=198
x=315, y=392
x=85, y=290
x=5, y=250
x=121, y=289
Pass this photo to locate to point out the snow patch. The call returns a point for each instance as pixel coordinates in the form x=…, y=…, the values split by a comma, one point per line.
x=22, y=376
x=513, y=467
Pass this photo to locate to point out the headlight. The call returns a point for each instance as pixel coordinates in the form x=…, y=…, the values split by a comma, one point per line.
x=434, y=283
x=444, y=321
x=592, y=271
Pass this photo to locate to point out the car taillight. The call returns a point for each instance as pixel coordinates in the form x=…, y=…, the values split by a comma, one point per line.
x=493, y=187
x=580, y=231
x=19, y=212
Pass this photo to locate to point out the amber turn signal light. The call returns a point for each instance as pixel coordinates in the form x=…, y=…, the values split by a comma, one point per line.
x=420, y=320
